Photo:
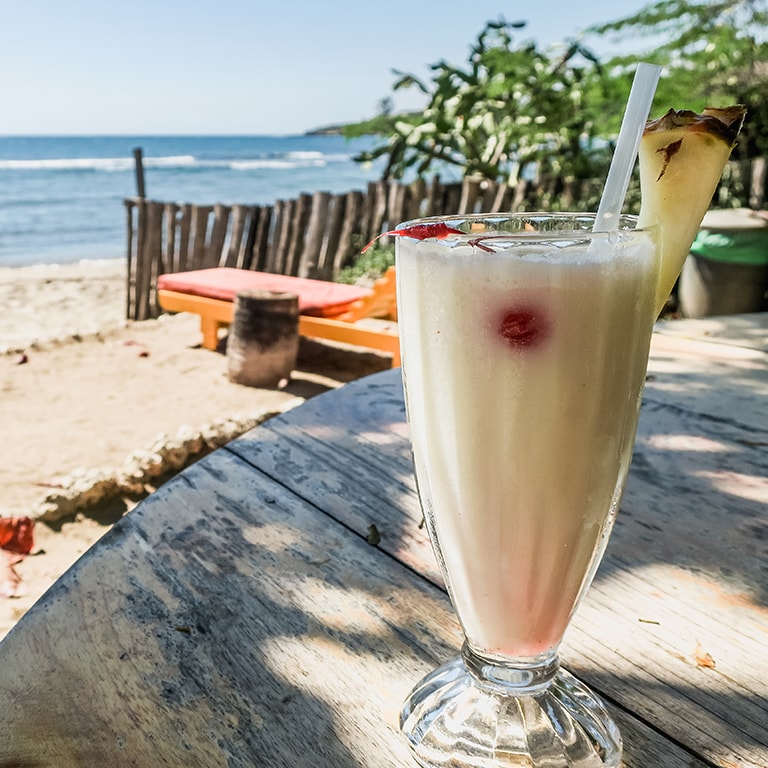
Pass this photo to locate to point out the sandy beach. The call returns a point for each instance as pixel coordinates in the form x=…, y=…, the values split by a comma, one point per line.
x=96, y=411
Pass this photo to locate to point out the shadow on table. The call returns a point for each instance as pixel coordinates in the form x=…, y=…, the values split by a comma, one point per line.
x=694, y=509
x=696, y=496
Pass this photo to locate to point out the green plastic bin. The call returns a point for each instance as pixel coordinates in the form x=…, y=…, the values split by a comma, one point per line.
x=726, y=272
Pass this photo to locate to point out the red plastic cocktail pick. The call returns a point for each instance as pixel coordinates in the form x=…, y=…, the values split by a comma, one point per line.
x=439, y=231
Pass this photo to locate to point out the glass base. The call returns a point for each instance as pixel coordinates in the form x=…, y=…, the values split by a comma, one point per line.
x=457, y=717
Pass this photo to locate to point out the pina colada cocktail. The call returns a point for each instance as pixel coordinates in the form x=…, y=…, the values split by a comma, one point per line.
x=524, y=348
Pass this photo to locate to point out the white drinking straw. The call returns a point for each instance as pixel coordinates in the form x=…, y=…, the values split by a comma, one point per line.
x=627, y=146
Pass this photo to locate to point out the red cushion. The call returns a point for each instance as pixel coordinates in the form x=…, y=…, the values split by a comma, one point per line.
x=316, y=297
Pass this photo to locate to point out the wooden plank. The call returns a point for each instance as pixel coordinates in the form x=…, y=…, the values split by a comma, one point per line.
x=710, y=378
x=137, y=271
x=470, y=194
x=265, y=230
x=214, y=249
x=309, y=260
x=451, y=199
x=184, y=225
x=326, y=268
x=377, y=208
x=564, y=191
x=381, y=473
x=519, y=194
x=268, y=234
x=417, y=193
x=501, y=200
x=247, y=254
x=139, y=170
x=247, y=238
x=666, y=665
x=488, y=192
x=169, y=263
x=397, y=204
x=200, y=215
x=235, y=253
x=486, y=196
x=368, y=211
x=150, y=248
x=140, y=270
x=300, y=218
x=281, y=237
x=259, y=247
x=349, y=238
x=131, y=258
x=433, y=204
x=749, y=331
x=154, y=255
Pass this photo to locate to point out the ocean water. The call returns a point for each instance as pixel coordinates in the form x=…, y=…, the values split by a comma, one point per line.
x=61, y=198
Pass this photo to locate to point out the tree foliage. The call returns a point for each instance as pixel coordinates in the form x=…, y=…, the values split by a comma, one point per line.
x=510, y=107
x=713, y=53
x=513, y=107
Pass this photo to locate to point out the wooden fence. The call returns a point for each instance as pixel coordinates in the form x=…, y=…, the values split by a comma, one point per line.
x=317, y=235
x=312, y=236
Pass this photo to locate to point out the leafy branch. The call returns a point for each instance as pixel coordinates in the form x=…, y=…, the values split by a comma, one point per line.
x=513, y=110
x=510, y=108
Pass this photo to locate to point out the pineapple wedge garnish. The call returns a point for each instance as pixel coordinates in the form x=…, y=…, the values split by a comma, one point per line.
x=682, y=156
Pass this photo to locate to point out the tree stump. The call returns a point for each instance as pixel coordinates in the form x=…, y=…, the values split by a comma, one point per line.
x=263, y=341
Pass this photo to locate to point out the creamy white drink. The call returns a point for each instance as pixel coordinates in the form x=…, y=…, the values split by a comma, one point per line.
x=523, y=366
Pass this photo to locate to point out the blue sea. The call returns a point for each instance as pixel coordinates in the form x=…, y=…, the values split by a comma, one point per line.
x=61, y=198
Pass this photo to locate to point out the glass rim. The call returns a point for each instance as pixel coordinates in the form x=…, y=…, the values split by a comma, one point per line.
x=469, y=227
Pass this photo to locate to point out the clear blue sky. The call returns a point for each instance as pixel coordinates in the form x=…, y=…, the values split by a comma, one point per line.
x=239, y=66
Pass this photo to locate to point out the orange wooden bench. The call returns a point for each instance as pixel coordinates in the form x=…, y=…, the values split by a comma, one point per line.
x=331, y=311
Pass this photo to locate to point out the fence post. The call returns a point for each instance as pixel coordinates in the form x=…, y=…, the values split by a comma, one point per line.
x=139, y=163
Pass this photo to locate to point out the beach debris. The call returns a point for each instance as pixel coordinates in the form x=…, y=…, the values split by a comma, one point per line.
x=703, y=658
x=21, y=359
x=16, y=534
x=143, y=350
x=16, y=540
x=9, y=580
x=374, y=535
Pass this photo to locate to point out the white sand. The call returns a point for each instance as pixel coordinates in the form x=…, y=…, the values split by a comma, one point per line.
x=48, y=302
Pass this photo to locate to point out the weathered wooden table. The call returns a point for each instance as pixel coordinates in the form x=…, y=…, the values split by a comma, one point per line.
x=242, y=616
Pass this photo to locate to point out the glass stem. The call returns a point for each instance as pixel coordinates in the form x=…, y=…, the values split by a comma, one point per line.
x=514, y=677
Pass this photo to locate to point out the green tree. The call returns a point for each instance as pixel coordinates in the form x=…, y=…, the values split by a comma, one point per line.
x=510, y=107
x=514, y=107
x=714, y=53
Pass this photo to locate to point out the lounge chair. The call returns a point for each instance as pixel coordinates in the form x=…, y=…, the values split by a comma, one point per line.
x=331, y=311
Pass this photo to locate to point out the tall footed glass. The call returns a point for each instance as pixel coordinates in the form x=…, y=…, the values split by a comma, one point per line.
x=524, y=348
